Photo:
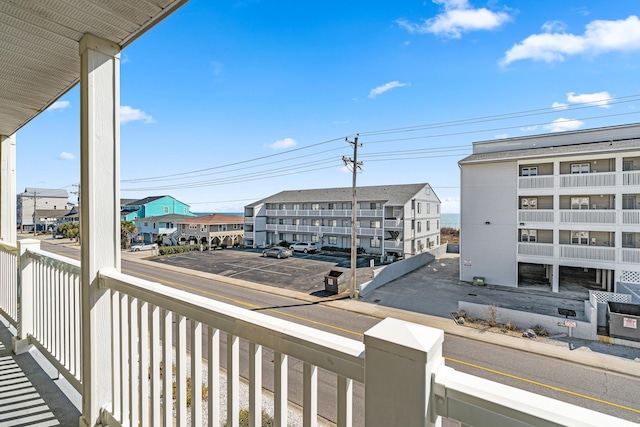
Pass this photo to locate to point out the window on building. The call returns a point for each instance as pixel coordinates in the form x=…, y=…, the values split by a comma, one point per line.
x=374, y=205
x=375, y=242
x=357, y=242
x=296, y=221
x=154, y=225
x=281, y=221
x=357, y=224
x=628, y=240
x=333, y=240
x=314, y=238
x=437, y=224
x=333, y=223
x=529, y=171
x=529, y=203
x=295, y=237
x=282, y=206
x=419, y=207
x=419, y=226
x=235, y=226
x=281, y=236
x=315, y=222
x=627, y=165
x=315, y=206
x=203, y=228
x=185, y=210
x=296, y=206
x=580, y=168
x=375, y=224
x=437, y=240
x=183, y=227
x=429, y=243
x=579, y=203
x=528, y=235
x=222, y=227
x=428, y=225
x=428, y=208
x=332, y=206
x=146, y=224
x=438, y=209
x=193, y=226
x=579, y=237
x=165, y=209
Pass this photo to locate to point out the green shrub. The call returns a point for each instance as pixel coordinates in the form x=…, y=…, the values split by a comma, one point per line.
x=172, y=250
x=540, y=331
x=267, y=421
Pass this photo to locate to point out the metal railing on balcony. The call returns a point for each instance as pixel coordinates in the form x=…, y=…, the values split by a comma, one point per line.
x=588, y=216
x=361, y=231
x=631, y=255
x=631, y=178
x=589, y=253
x=535, y=215
x=394, y=223
x=631, y=216
x=582, y=180
x=155, y=326
x=535, y=182
x=535, y=249
x=325, y=213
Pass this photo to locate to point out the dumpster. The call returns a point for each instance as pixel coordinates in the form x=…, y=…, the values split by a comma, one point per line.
x=478, y=281
x=624, y=320
x=334, y=282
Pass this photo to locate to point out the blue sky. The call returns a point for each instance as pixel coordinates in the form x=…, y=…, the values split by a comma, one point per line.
x=228, y=102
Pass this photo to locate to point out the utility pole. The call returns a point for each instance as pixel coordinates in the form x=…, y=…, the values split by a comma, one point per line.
x=355, y=165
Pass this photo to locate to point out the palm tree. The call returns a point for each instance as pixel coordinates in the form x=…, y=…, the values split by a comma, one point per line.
x=127, y=230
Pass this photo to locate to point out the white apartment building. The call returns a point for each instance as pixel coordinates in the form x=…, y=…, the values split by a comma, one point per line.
x=394, y=220
x=558, y=202
x=40, y=199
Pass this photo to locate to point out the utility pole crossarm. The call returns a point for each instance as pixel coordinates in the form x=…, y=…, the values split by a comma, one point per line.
x=355, y=165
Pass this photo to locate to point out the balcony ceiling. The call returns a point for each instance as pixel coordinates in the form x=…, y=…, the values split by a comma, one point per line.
x=39, y=60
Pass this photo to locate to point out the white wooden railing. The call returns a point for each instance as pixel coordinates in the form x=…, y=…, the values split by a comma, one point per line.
x=393, y=223
x=631, y=216
x=631, y=178
x=9, y=282
x=535, y=249
x=535, y=215
x=338, y=213
x=631, y=255
x=591, y=253
x=156, y=326
x=535, y=182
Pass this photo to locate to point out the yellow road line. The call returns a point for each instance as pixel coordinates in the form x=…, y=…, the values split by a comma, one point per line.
x=304, y=319
x=562, y=390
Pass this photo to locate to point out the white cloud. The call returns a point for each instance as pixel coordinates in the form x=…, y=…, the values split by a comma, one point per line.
x=128, y=114
x=559, y=106
x=562, y=125
x=553, y=26
x=458, y=17
x=599, y=37
x=283, y=143
x=600, y=99
x=501, y=136
x=66, y=156
x=385, y=87
x=59, y=105
x=529, y=128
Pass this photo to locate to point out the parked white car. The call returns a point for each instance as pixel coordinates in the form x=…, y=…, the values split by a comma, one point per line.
x=304, y=247
x=144, y=247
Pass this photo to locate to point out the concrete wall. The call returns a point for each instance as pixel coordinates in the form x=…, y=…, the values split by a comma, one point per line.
x=386, y=274
x=489, y=232
x=587, y=329
x=453, y=248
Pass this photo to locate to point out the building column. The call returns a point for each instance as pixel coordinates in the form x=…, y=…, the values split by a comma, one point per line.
x=555, y=278
x=99, y=217
x=8, y=199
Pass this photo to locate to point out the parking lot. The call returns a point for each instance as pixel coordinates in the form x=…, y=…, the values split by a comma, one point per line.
x=302, y=272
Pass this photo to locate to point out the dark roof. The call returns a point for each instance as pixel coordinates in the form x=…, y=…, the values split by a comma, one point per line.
x=389, y=194
x=52, y=213
x=212, y=219
x=164, y=218
x=126, y=201
x=45, y=192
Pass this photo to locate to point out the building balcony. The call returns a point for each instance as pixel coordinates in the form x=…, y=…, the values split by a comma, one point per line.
x=631, y=255
x=249, y=235
x=248, y=220
x=324, y=213
x=149, y=325
x=536, y=215
x=588, y=216
x=394, y=244
x=631, y=178
x=535, y=182
x=396, y=224
x=587, y=180
x=588, y=253
x=631, y=216
x=324, y=230
x=535, y=249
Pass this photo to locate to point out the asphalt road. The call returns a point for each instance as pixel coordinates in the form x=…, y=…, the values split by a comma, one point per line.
x=606, y=392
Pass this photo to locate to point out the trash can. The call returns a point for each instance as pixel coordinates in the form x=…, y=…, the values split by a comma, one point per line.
x=478, y=281
x=624, y=320
x=334, y=282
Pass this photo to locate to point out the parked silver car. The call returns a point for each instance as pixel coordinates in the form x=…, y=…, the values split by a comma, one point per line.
x=144, y=247
x=304, y=247
x=277, y=252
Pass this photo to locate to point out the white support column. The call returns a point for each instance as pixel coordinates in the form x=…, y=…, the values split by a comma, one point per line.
x=20, y=343
x=401, y=357
x=99, y=217
x=8, y=222
x=555, y=278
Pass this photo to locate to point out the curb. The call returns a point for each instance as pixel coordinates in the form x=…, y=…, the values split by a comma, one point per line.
x=581, y=356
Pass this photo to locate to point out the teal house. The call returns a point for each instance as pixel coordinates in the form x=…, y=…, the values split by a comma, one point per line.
x=152, y=206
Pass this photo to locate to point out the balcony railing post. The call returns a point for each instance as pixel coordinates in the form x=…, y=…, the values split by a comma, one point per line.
x=8, y=189
x=20, y=343
x=400, y=358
